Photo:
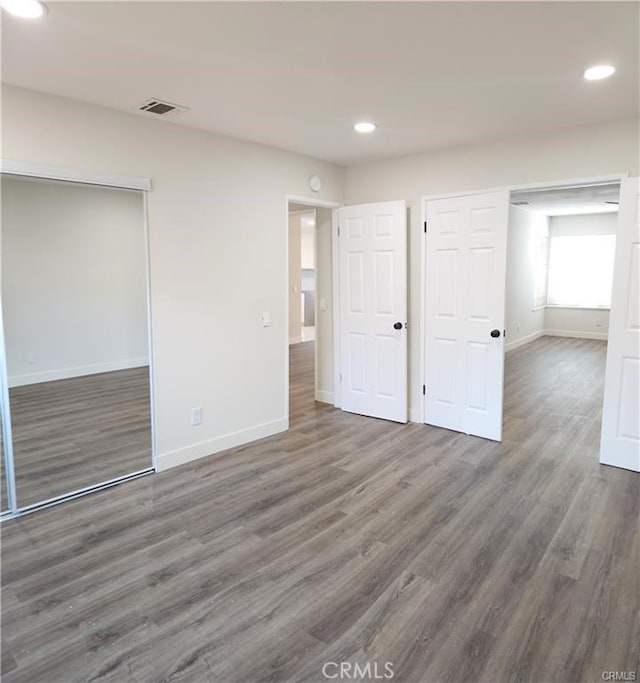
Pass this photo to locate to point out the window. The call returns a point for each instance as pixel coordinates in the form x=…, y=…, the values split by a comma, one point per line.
x=581, y=270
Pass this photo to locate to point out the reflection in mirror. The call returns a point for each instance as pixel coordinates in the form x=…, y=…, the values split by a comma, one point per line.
x=75, y=316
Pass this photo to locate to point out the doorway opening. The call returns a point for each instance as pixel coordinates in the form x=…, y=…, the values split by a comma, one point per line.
x=302, y=275
x=559, y=276
x=571, y=276
x=360, y=299
x=310, y=295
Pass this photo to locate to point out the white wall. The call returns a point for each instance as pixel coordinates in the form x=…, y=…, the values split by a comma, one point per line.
x=572, y=153
x=295, y=277
x=73, y=280
x=584, y=224
x=584, y=323
x=218, y=228
x=580, y=322
x=307, y=249
x=522, y=322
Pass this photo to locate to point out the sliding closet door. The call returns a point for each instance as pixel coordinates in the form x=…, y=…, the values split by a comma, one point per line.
x=4, y=488
x=74, y=296
x=7, y=499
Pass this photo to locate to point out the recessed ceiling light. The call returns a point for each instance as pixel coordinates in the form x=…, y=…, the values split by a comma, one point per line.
x=365, y=127
x=597, y=73
x=27, y=9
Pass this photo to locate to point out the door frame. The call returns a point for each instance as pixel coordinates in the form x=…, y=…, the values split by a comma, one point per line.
x=313, y=203
x=100, y=179
x=577, y=182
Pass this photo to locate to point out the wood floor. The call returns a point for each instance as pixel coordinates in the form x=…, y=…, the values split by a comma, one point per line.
x=74, y=433
x=349, y=539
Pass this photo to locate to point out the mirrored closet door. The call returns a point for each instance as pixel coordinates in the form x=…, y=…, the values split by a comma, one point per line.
x=4, y=482
x=74, y=300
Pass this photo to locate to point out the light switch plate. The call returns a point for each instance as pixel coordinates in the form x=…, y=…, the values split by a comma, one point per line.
x=196, y=416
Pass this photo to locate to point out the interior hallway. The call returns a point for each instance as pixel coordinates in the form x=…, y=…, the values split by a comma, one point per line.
x=349, y=539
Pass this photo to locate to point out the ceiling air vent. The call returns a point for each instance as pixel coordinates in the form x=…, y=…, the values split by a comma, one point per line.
x=520, y=203
x=160, y=108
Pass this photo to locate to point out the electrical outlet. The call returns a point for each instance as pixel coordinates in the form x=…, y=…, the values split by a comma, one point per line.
x=266, y=319
x=196, y=416
x=598, y=322
x=322, y=304
x=31, y=359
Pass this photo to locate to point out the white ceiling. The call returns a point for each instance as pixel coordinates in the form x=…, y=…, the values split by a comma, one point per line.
x=568, y=201
x=297, y=75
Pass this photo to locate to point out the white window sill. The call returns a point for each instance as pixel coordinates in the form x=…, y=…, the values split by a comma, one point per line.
x=581, y=308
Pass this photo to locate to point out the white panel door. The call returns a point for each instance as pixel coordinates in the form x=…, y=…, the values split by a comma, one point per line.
x=620, y=444
x=373, y=309
x=464, y=325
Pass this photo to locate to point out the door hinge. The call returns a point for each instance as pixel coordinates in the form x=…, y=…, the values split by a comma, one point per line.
x=341, y=377
x=424, y=389
x=504, y=333
x=338, y=231
x=425, y=227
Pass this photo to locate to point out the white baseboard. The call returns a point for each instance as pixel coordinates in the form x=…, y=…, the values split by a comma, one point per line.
x=295, y=340
x=324, y=396
x=414, y=415
x=165, y=461
x=79, y=371
x=554, y=333
x=576, y=335
x=523, y=340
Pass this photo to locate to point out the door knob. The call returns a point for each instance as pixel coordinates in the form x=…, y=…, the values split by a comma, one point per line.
x=495, y=333
x=397, y=326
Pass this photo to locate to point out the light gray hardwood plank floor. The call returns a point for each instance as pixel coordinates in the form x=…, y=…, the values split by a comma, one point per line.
x=73, y=433
x=349, y=539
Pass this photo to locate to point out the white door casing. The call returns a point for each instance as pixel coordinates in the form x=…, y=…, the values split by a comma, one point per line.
x=620, y=441
x=373, y=298
x=465, y=284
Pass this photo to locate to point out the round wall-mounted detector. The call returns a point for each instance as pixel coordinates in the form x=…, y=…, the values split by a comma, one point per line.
x=315, y=183
x=364, y=127
x=597, y=73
